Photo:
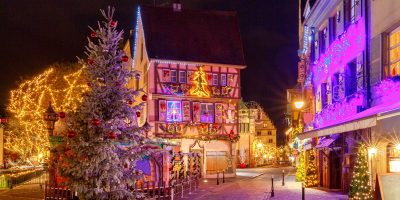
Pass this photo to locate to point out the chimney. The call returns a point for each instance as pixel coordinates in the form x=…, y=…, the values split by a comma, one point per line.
x=177, y=6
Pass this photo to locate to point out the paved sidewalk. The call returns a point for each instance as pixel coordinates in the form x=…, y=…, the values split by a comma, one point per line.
x=23, y=192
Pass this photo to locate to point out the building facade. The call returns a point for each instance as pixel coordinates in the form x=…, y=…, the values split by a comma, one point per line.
x=257, y=143
x=188, y=63
x=350, y=55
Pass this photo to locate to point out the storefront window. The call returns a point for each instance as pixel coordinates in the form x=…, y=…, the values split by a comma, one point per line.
x=393, y=153
x=394, y=52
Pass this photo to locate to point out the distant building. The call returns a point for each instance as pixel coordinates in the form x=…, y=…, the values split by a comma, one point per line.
x=257, y=143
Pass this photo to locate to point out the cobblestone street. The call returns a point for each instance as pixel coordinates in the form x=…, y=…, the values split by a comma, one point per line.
x=255, y=183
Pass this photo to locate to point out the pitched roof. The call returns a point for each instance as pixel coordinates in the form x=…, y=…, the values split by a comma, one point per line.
x=192, y=35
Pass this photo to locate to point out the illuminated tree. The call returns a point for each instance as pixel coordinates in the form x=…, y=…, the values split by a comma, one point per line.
x=301, y=171
x=104, y=141
x=26, y=134
x=200, y=84
x=360, y=187
x=311, y=179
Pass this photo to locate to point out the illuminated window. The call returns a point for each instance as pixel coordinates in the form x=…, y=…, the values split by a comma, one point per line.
x=393, y=153
x=394, y=53
x=182, y=77
x=174, y=111
x=270, y=140
x=215, y=79
x=223, y=79
x=207, y=113
x=173, y=76
x=269, y=132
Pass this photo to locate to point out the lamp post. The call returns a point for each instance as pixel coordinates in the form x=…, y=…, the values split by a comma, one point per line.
x=372, y=151
x=50, y=116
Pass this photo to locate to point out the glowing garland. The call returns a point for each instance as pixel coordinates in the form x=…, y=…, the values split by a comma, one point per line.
x=27, y=134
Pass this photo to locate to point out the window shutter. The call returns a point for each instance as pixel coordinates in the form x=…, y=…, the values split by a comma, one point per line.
x=162, y=110
x=379, y=58
x=196, y=111
x=218, y=113
x=186, y=111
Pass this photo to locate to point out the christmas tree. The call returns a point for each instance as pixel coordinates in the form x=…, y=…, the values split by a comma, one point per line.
x=311, y=179
x=200, y=84
x=360, y=187
x=301, y=171
x=104, y=141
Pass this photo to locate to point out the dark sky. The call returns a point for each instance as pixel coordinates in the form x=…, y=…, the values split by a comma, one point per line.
x=37, y=33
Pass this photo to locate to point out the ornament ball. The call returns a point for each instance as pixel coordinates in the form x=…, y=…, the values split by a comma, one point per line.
x=137, y=114
x=144, y=97
x=95, y=122
x=93, y=34
x=62, y=115
x=125, y=58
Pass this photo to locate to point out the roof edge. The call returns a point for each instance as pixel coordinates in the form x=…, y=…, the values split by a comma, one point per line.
x=199, y=63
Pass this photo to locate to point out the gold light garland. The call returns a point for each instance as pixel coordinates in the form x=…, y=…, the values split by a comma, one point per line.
x=27, y=134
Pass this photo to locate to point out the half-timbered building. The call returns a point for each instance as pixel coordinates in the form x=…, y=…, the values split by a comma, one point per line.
x=188, y=64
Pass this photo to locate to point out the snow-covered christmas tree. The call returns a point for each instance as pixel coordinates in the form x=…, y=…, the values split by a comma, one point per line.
x=311, y=179
x=104, y=141
x=360, y=187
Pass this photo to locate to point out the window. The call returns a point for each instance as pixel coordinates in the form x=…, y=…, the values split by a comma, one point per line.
x=394, y=52
x=353, y=7
x=270, y=140
x=207, y=113
x=223, y=79
x=332, y=29
x=258, y=133
x=351, y=78
x=215, y=79
x=269, y=132
x=393, y=154
x=182, y=77
x=173, y=76
x=322, y=39
x=174, y=111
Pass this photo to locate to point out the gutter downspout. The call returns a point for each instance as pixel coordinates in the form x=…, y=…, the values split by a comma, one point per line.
x=368, y=50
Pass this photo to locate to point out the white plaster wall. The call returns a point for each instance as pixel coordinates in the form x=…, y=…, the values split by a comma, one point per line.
x=384, y=14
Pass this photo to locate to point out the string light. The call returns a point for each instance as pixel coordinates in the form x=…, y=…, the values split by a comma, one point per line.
x=27, y=135
x=200, y=84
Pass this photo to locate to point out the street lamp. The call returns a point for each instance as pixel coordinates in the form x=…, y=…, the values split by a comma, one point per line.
x=50, y=116
x=299, y=104
x=372, y=151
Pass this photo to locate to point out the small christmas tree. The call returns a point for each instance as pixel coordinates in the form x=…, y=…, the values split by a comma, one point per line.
x=311, y=179
x=104, y=141
x=360, y=187
x=301, y=171
x=200, y=84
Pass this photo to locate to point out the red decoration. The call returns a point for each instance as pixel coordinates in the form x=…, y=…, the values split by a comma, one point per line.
x=232, y=135
x=243, y=165
x=112, y=135
x=3, y=120
x=144, y=97
x=113, y=23
x=125, y=58
x=90, y=61
x=138, y=114
x=95, y=122
x=93, y=34
x=117, y=83
x=71, y=134
x=130, y=102
x=62, y=115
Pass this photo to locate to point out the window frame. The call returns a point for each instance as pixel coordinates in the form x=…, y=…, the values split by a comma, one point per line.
x=223, y=79
x=202, y=113
x=180, y=115
x=171, y=76
x=215, y=78
x=182, y=76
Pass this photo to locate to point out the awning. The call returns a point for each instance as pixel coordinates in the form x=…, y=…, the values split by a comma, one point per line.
x=325, y=142
x=362, y=120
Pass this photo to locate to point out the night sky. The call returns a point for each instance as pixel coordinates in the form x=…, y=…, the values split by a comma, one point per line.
x=35, y=34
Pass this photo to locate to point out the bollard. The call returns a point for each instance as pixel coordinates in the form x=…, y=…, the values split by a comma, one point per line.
x=217, y=178
x=272, y=186
x=283, y=177
x=303, y=190
x=223, y=176
x=190, y=186
x=182, y=190
x=172, y=192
